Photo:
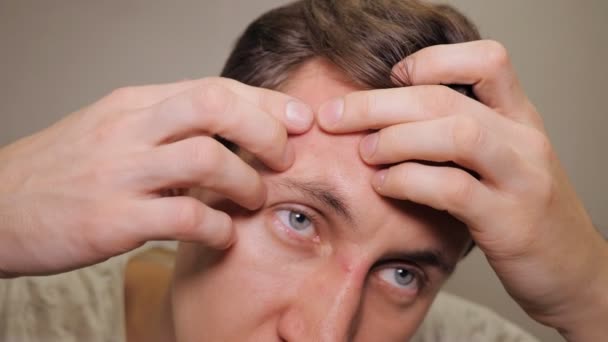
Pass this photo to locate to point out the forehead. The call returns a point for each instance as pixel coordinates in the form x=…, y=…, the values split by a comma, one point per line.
x=335, y=160
x=331, y=159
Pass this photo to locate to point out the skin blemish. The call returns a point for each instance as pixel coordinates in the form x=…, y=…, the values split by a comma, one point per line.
x=352, y=262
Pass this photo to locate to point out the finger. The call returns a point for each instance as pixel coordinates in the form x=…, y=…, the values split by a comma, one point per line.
x=484, y=64
x=213, y=96
x=463, y=140
x=296, y=115
x=375, y=109
x=136, y=97
x=260, y=127
x=443, y=188
x=201, y=161
x=183, y=219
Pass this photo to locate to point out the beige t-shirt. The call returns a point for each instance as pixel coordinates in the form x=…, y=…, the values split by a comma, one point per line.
x=83, y=305
x=88, y=305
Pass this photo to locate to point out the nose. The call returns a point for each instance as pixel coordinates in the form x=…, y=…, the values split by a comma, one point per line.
x=325, y=306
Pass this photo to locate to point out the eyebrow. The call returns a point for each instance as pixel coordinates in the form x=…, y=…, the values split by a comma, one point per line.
x=426, y=257
x=325, y=193
x=320, y=192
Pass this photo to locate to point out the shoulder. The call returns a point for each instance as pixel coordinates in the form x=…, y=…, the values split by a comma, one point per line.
x=86, y=304
x=454, y=319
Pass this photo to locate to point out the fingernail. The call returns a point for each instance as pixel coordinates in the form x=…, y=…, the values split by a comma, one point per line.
x=368, y=145
x=299, y=114
x=332, y=111
x=379, y=178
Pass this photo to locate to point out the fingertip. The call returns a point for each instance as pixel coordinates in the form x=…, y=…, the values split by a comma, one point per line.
x=298, y=117
x=330, y=113
x=257, y=198
x=222, y=235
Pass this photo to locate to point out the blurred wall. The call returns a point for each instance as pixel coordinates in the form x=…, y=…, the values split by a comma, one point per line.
x=59, y=55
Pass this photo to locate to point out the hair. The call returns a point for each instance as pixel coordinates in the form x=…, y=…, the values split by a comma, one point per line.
x=364, y=39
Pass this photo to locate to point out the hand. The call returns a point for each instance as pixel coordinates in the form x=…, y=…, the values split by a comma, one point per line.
x=522, y=212
x=90, y=187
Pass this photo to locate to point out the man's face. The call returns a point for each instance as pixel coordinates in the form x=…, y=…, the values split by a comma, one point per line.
x=326, y=258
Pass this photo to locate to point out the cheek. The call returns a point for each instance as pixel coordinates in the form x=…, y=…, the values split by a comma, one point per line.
x=217, y=287
x=244, y=291
x=393, y=324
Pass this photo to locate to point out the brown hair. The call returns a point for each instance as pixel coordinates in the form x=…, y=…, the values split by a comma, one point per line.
x=363, y=38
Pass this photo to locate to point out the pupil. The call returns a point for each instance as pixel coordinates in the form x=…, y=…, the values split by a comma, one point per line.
x=298, y=220
x=403, y=276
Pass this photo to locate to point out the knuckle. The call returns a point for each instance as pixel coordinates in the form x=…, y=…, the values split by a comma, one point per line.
x=213, y=99
x=542, y=147
x=265, y=99
x=435, y=99
x=497, y=55
x=467, y=134
x=204, y=154
x=214, y=79
x=123, y=95
x=536, y=192
x=108, y=130
x=460, y=190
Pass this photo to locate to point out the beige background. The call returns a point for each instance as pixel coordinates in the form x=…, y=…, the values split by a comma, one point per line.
x=57, y=56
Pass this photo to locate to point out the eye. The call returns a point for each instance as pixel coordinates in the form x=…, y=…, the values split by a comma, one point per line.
x=298, y=222
x=400, y=277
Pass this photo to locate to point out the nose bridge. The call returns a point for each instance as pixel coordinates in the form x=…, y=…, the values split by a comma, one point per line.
x=325, y=306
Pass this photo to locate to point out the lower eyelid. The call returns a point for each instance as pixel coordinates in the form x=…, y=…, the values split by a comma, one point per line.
x=400, y=296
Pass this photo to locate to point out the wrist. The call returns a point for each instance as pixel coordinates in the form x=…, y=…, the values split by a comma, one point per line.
x=587, y=319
